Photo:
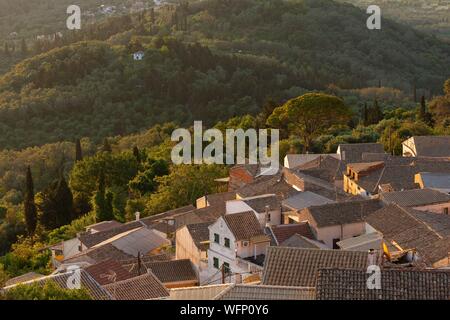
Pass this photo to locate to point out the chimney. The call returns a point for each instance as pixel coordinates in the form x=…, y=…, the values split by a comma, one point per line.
x=267, y=217
x=138, y=215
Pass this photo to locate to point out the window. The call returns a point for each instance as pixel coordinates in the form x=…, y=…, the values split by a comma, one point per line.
x=245, y=243
x=216, y=238
x=227, y=242
x=445, y=210
x=335, y=241
x=216, y=263
x=226, y=268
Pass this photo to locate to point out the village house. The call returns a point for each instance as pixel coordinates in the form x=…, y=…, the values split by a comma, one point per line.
x=304, y=264
x=192, y=242
x=334, y=222
x=267, y=208
x=425, y=236
x=427, y=146
x=354, y=152
x=237, y=247
x=300, y=201
x=174, y=273
x=292, y=161
x=125, y=245
x=420, y=199
x=215, y=199
x=281, y=233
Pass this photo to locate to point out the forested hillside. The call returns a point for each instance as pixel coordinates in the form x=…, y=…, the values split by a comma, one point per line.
x=432, y=16
x=207, y=60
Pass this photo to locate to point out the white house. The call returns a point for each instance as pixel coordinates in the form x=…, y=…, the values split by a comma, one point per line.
x=139, y=55
x=237, y=247
x=267, y=208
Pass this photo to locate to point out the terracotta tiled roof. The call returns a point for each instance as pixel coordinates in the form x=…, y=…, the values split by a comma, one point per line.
x=296, y=267
x=243, y=225
x=400, y=174
x=207, y=214
x=142, y=287
x=259, y=203
x=241, y=292
x=199, y=233
x=328, y=168
x=432, y=146
x=198, y=293
x=418, y=197
x=108, y=271
x=87, y=282
x=90, y=240
x=266, y=185
x=298, y=241
x=220, y=198
x=151, y=220
x=427, y=232
x=282, y=232
x=353, y=152
x=350, y=284
x=105, y=225
x=23, y=278
x=97, y=254
x=340, y=212
x=173, y=271
x=304, y=200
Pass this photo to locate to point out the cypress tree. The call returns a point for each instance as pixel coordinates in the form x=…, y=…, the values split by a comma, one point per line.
x=56, y=205
x=365, y=115
x=29, y=205
x=137, y=154
x=63, y=200
x=376, y=113
x=78, y=151
x=102, y=201
x=423, y=109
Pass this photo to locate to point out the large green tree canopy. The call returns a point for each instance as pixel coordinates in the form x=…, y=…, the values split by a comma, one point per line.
x=309, y=115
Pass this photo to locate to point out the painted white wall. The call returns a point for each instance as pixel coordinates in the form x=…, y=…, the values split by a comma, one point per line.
x=71, y=247
x=327, y=234
x=229, y=255
x=236, y=206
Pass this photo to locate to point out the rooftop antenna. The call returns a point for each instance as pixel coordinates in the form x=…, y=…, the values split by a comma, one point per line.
x=139, y=263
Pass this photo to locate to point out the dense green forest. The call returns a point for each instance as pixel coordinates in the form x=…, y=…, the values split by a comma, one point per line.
x=85, y=129
x=208, y=60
